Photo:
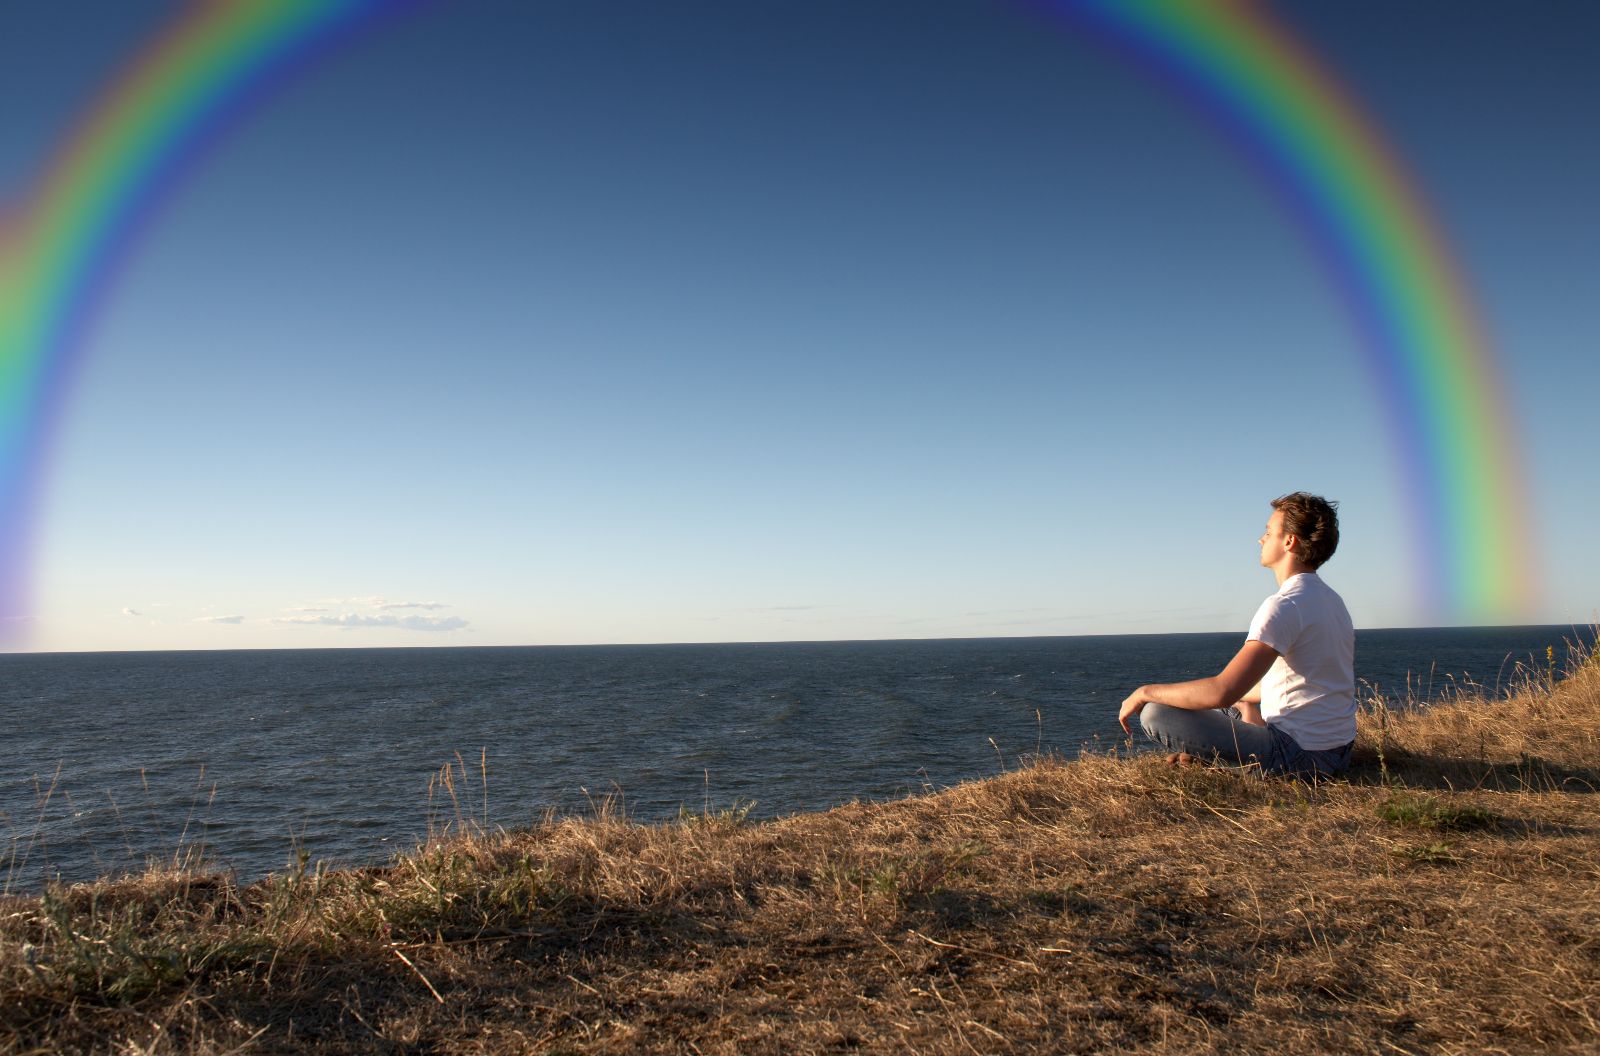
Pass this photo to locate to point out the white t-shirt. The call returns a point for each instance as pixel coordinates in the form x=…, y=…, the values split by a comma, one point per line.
x=1310, y=690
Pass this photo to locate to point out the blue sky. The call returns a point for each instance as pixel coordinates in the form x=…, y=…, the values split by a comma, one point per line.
x=520, y=322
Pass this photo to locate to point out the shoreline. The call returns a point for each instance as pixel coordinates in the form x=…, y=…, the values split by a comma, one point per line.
x=266, y=755
x=1445, y=897
x=1573, y=631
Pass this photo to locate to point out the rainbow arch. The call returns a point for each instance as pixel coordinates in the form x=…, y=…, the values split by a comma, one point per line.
x=61, y=244
x=1420, y=330
x=59, y=248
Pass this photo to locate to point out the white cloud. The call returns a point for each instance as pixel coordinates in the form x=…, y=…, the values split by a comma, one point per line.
x=370, y=612
x=220, y=619
x=376, y=602
x=786, y=608
x=352, y=620
x=132, y=612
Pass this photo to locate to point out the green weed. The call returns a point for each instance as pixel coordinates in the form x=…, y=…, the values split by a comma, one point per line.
x=1421, y=811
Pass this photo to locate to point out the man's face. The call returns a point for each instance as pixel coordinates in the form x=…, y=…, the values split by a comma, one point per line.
x=1272, y=540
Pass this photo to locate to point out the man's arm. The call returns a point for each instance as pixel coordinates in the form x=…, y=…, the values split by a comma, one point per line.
x=1243, y=672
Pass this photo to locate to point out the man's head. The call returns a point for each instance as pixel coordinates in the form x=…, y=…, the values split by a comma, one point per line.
x=1312, y=521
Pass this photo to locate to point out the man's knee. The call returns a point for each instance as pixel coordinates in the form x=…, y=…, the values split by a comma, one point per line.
x=1152, y=717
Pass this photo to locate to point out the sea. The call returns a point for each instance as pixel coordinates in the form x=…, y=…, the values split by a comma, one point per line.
x=254, y=761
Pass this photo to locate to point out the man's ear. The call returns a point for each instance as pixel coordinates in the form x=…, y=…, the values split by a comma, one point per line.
x=1292, y=542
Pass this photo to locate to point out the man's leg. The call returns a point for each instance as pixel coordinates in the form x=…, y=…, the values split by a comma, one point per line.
x=1207, y=734
x=1295, y=761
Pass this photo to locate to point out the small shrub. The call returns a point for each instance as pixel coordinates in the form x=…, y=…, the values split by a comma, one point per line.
x=1434, y=812
x=730, y=817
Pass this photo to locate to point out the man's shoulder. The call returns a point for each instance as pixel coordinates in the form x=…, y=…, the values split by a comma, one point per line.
x=1289, y=595
x=1308, y=586
x=1278, y=612
x=1310, y=594
x=1302, y=599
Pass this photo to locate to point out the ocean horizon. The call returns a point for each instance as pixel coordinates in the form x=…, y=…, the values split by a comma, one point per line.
x=249, y=758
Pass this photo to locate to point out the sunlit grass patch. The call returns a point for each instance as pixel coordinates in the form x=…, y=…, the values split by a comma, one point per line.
x=1423, y=810
x=1103, y=904
x=1436, y=853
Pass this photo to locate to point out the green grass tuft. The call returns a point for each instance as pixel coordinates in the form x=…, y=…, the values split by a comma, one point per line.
x=1423, y=811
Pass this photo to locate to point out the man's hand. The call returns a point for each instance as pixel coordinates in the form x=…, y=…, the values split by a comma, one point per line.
x=1131, y=707
x=1243, y=671
x=1250, y=711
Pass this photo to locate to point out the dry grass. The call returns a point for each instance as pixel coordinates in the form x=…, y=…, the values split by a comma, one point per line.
x=1443, y=900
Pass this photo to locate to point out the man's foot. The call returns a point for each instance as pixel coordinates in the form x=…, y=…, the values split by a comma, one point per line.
x=1182, y=759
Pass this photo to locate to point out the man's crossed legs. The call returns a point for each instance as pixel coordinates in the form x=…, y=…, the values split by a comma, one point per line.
x=1222, y=734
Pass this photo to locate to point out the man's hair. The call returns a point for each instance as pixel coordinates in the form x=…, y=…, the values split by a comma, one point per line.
x=1314, y=521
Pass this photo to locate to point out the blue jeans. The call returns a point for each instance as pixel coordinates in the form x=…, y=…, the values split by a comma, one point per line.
x=1222, y=734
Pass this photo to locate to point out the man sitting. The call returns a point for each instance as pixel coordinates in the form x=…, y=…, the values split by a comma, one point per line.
x=1300, y=716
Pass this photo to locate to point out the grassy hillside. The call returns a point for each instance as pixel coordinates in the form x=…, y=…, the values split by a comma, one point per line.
x=1445, y=899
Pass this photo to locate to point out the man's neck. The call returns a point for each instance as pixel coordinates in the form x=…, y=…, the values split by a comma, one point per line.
x=1289, y=568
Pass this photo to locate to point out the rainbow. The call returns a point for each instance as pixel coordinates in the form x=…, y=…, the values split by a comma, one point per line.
x=60, y=247
x=1419, y=328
